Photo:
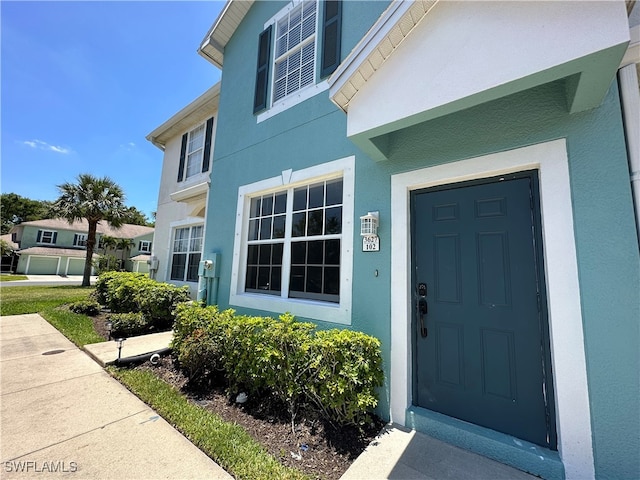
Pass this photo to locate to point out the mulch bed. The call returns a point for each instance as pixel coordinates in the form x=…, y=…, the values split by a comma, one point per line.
x=317, y=448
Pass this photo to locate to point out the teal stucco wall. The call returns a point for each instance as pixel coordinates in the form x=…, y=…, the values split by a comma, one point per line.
x=314, y=132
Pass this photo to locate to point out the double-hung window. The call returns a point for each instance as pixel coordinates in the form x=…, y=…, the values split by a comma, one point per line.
x=288, y=49
x=144, y=246
x=47, y=236
x=186, y=253
x=295, y=52
x=295, y=252
x=80, y=240
x=195, y=151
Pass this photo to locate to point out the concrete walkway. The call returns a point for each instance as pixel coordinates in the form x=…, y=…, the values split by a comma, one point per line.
x=106, y=353
x=62, y=415
x=401, y=454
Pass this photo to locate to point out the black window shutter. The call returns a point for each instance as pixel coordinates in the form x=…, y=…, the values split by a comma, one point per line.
x=331, y=35
x=207, y=145
x=262, y=74
x=139, y=245
x=39, y=237
x=55, y=237
x=183, y=155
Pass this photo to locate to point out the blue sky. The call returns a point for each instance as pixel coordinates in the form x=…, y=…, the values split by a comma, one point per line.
x=83, y=83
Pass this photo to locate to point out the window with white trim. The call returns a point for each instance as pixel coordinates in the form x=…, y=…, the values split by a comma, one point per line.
x=293, y=250
x=144, y=246
x=195, y=148
x=195, y=151
x=295, y=49
x=311, y=239
x=80, y=239
x=186, y=253
x=299, y=46
x=47, y=236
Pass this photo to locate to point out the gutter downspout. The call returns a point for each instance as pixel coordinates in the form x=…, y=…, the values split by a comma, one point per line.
x=630, y=96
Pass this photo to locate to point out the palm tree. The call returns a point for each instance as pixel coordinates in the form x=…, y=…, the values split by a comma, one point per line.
x=108, y=243
x=94, y=199
x=123, y=244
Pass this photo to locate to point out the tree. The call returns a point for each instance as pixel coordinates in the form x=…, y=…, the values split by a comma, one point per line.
x=17, y=209
x=123, y=244
x=94, y=199
x=5, y=248
x=134, y=216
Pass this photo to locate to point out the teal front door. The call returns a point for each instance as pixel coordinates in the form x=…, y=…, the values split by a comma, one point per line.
x=480, y=330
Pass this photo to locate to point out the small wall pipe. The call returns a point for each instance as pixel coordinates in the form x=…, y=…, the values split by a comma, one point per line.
x=630, y=98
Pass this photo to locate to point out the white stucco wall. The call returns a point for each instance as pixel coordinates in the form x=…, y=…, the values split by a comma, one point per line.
x=450, y=72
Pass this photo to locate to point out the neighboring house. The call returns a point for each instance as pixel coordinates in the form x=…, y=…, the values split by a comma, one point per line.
x=493, y=144
x=187, y=140
x=56, y=247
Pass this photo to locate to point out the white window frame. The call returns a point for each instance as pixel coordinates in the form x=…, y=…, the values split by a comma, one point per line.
x=187, y=253
x=339, y=313
x=196, y=153
x=277, y=106
x=79, y=239
x=145, y=246
x=50, y=234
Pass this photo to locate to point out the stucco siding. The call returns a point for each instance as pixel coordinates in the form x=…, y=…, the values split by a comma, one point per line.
x=314, y=133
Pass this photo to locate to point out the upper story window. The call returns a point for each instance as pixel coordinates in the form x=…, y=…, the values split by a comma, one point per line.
x=295, y=53
x=80, y=240
x=144, y=246
x=47, y=236
x=195, y=151
x=287, y=63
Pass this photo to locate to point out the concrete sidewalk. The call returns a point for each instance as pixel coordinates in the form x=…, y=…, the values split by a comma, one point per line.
x=63, y=415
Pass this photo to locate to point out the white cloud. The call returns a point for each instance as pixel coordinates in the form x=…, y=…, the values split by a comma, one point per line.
x=39, y=144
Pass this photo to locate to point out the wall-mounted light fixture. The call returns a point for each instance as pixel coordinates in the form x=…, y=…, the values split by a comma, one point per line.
x=369, y=224
x=369, y=232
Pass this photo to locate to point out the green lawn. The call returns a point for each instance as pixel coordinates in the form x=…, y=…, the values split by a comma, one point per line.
x=226, y=443
x=7, y=277
x=45, y=301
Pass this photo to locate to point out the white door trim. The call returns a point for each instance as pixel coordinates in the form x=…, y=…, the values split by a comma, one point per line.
x=563, y=293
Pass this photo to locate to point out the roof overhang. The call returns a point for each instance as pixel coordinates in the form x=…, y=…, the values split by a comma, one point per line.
x=425, y=59
x=214, y=42
x=196, y=112
x=195, y=196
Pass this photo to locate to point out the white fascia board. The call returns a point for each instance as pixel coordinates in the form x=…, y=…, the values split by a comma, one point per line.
x=214, y=42
x=208, y=100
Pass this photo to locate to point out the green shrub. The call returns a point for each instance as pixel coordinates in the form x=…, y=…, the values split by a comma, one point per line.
x=85, y=307
x=124, y=292
x=101, y=291
x=105, y=263
x=128, y=324
x=337, y=371
x=158, y=301
x=346, y=370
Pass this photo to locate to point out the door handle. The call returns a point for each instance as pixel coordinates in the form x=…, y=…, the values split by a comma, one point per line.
x=422, y=308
